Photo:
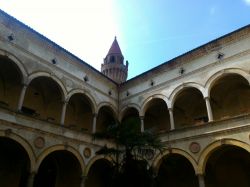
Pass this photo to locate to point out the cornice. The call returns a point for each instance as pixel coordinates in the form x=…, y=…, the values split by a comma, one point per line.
x=58, y=68
x=163, y=85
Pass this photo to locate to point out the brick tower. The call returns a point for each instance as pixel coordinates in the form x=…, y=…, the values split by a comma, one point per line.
x=113, y=66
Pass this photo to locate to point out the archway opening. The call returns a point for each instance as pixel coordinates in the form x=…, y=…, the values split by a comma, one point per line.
x=228, y=166
x=105, y=118
x=10, y=83
x=230, y=96
x=156, y=117
x=189, y=108
x=100, y=174
x=43, y=100
x=59, y=169
x=130, y=112
x=14, y=164
x=176, y=171
x=79, y=115
x=131, y=115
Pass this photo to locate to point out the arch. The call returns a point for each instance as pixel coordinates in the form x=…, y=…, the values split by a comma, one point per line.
x=125, y=108
x=54, y=148
x=109, y=105
x=106, y=116
x=56, y=79
x=85, y=93
x=211, y=81
x=205, y=154
x=25, y=144
x=156, y=118
x=18, y=63
x=158, y=159
x=79, y=112
x=11, y=82
x=178, y=89
x=145, y=103
x=93, y=160
x=189, y=107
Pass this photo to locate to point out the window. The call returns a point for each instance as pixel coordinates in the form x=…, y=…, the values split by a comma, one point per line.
x=112, y=59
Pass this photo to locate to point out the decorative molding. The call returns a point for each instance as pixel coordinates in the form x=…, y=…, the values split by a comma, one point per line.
x=87, y=152
x=194, y=147
x=39, y=142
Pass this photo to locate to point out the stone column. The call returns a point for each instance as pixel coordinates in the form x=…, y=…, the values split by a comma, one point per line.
x=63, y=113
x=171, y=115
x=142, y=123
x=201, y=180
x=94, y=123
x=21, y=97
x=83, y=180
x=31, y=178
x=209, y=110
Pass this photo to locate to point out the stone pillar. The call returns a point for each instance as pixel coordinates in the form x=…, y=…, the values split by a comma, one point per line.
x=31, y=178
x=64, y=107
x=94, y=123
x=209, y=110
x=171, y=115
x=21, y=97
x=83, y=180
x=142, y=123
x=201, y=180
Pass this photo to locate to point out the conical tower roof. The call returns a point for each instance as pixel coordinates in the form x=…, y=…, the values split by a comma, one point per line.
x=115, y=48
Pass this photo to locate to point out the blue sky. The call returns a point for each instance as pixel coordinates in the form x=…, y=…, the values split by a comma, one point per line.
x=150, y=32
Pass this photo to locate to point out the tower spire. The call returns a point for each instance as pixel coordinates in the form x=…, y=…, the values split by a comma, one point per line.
x=115, y=48
x=113, y=66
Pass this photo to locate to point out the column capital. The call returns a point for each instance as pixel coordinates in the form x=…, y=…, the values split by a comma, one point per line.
x=207, y=97
x=84, y=177
x=65, y=102
x=33, y=173
x=141, y=117
x=200, y=174
x=94, y=115
x=170, y=109
x=25, y=85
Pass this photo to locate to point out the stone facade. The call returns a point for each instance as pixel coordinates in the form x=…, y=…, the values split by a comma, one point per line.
x=51, y=102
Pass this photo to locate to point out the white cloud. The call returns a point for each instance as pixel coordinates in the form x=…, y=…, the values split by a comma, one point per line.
x=247, y=2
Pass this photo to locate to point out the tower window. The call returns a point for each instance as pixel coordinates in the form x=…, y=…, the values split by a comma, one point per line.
x=112, y=59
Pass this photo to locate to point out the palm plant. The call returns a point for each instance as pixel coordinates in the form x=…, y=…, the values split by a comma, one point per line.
x=130, y=151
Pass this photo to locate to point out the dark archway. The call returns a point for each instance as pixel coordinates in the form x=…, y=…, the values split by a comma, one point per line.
x=156, y=117
x=176, y=171
x=189, y=108
x=228, y=166
x=43, y=100
x=105, y=118
x=10, y=83
x=59, y=169
x=230, y=96
x=14, y=164
x=100, y=174
x=79, y=114
x=131, y=115
x=130, y=112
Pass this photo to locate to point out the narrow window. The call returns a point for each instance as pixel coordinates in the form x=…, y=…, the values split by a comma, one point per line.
x=112, y=59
